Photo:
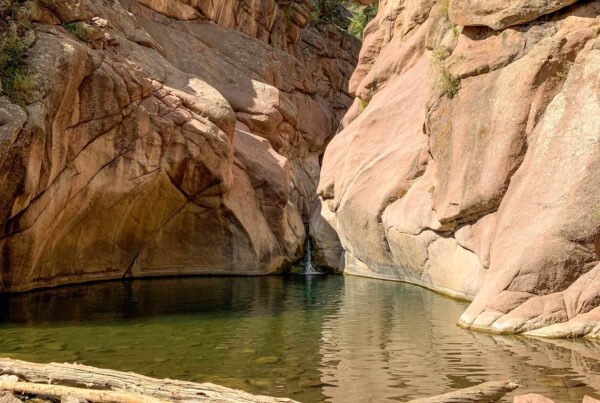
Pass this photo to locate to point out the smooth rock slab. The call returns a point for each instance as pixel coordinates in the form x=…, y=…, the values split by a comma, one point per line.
x=532, y=398
x=497, y=14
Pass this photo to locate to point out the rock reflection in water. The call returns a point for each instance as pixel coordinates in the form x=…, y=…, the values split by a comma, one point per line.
x=392, y=342
x=312, y=338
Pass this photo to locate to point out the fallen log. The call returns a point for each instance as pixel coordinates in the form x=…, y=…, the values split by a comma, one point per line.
x=105, y=379
x=93, y=395
x=485, y=392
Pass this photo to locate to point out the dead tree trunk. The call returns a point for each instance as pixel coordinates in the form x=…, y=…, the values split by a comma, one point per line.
x=132, y=384
x=485, y=392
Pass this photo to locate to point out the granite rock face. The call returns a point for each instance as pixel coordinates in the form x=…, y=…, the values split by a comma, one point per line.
x=466, y=161
x=497, y=15
x=277, y=22
x=163, y=143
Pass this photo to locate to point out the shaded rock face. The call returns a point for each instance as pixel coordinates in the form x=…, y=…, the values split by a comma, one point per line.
x=165, y=144
x=466, y=161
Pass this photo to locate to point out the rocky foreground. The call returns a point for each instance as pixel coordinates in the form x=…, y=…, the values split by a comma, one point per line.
x=75, y=383
x=46, y=382
x=468, y=162
x=79, y=383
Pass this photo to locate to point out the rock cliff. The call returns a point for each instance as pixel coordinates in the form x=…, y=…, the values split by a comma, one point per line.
x=162, y=137
x=467, y=161
x=171, y=137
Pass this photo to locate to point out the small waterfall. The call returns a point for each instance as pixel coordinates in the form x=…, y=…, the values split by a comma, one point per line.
x=308, y=265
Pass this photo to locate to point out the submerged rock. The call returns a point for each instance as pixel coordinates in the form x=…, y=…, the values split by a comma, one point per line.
x=267, y=360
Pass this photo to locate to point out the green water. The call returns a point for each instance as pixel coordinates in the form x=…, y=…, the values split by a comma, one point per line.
x=311, y=338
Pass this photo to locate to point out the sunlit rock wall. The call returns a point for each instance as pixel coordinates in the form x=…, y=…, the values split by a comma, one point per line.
x=468, y=160
x=156, y=142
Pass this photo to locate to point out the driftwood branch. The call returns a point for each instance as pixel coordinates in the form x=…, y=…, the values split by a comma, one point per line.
x=485, y=392
x=105, y=385
x=105, y=379
x=87, y=394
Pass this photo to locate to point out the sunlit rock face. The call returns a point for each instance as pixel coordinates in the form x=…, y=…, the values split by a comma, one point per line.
x=161, y=143
x=466, y=161
x=277, y=22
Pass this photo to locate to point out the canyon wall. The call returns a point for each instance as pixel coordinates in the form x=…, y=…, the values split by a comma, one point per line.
x=164, y=137
x=467, y=161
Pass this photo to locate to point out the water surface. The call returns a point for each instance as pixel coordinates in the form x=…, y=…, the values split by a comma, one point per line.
x=311, y=338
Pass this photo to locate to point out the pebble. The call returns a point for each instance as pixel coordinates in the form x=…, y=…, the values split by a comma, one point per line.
x=267, y=360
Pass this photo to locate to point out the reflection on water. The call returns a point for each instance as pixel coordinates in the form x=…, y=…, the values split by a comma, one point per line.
x=392, y=341
x=323, y=338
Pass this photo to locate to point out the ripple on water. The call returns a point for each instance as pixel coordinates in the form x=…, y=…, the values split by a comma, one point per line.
x=312, y=338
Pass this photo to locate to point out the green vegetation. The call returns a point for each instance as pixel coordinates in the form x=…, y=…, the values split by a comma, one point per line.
x=444, y=5
x=16, y=82
x=457, y=30
x=325, y=10
x=289, y=12
x=597, y=212
x=563, y=71
x=431, y=189
x=363, y=105
x=361, y=19
x=345, y=14
x=25, y=25
x=440, y=54
x=449, y=83
x=80, y=30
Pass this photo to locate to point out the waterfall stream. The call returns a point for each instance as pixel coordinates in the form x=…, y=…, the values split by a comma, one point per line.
x=308, y=266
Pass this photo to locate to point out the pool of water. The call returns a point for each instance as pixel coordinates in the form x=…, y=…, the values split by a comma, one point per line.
x=311, y=338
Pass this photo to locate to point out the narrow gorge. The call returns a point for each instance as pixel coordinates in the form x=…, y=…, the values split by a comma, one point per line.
x=451, y=144
x=166, y=138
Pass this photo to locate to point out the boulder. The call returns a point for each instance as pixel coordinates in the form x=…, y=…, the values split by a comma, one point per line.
x=66, y=10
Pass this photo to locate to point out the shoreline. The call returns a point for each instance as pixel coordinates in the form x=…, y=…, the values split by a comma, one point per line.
x=77, y=383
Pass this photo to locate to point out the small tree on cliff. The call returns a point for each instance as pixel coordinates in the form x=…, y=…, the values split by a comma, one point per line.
x=322, y=10
x=364, y=14
x=347, y=15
